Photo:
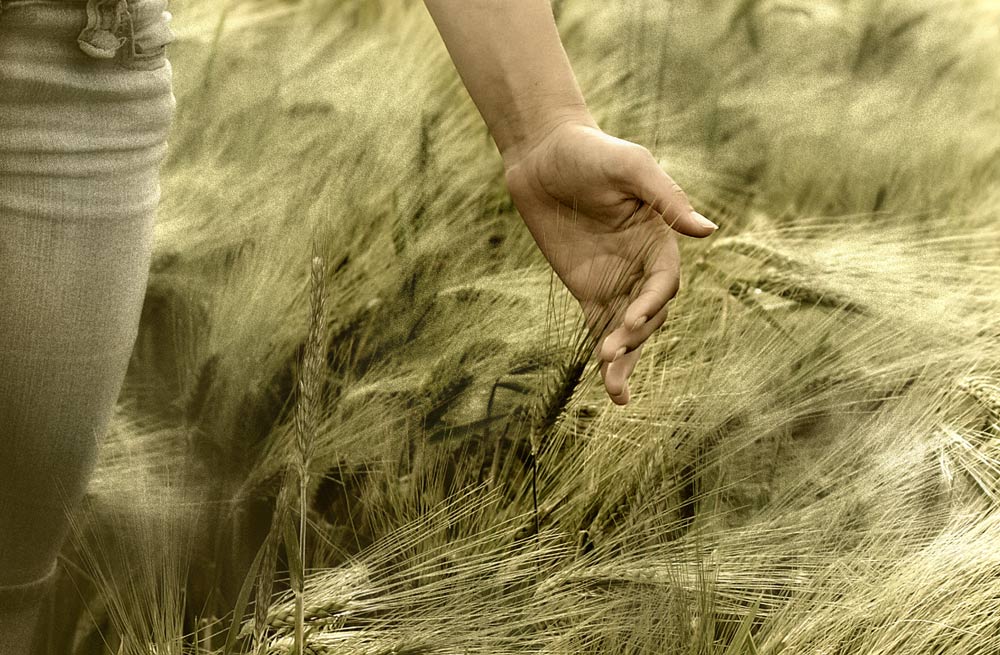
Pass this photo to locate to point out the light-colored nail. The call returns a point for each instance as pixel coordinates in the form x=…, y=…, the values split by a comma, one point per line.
x=639, y=322
x=621, y=351
x=704, y=221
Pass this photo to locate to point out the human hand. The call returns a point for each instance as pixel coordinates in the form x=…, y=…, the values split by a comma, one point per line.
x=601, y=210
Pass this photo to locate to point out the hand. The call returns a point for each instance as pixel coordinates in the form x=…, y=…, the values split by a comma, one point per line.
x=601, y=210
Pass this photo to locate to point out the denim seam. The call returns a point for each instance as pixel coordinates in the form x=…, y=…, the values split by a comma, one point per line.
x=14, y=596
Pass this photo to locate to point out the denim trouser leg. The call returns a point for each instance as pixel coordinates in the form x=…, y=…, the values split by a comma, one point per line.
x=81, y=141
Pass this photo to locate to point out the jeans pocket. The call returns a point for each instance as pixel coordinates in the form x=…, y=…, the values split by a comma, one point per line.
x=147, y=46
x=135, y=33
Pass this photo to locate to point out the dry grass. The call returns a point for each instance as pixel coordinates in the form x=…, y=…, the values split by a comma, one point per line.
x=810, y=459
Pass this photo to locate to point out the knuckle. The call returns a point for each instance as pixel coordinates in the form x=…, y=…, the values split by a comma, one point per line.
x=639, y=155
x=679, y=196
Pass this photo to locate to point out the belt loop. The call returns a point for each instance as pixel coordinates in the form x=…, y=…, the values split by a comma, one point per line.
x=101, y=36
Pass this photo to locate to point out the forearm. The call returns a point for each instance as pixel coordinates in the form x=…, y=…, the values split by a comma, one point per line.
x=511, y=59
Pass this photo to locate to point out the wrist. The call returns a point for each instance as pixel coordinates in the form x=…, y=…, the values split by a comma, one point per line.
x=520, y=132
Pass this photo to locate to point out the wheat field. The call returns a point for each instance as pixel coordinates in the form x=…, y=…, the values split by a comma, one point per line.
x=359, y=417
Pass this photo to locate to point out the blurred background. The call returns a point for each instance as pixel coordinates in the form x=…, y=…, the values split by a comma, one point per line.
x=360, y=414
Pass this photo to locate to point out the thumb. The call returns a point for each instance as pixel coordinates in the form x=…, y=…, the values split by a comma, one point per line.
x=650, y=184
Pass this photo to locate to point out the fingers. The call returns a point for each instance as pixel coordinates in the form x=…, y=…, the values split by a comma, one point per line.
x=657, y=291
x=648, y=182
x=627, y=344
x=616, y=376
x=646, y=313
x=625, y=339
x=620, y=349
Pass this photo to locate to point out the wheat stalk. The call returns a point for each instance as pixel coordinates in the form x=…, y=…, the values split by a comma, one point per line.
x=337, y=592
x=986, y=392
x=350, y=643
x=754, y=249
x=265, y=577
x=306, y=420
x=805, y=290
x=306, y=423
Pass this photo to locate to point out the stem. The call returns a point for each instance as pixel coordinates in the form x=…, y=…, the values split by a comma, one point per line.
x=299, y=595
x=534, y=493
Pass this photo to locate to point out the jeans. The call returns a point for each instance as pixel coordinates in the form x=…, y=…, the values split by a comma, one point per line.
x=85, y=108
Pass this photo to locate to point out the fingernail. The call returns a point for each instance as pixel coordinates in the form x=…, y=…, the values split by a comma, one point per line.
x=621, y=351
x=704, y=221
x=639, y=322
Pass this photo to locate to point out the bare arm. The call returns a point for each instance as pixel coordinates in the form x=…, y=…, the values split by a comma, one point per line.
x=512, y=61
x=624, y=209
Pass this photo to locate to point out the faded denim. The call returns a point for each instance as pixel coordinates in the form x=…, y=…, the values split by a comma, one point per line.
x=85, y=108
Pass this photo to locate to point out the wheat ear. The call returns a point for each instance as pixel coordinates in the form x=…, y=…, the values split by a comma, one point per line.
x=306, y=420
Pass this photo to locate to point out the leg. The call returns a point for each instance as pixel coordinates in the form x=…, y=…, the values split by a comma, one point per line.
x=81, y=141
